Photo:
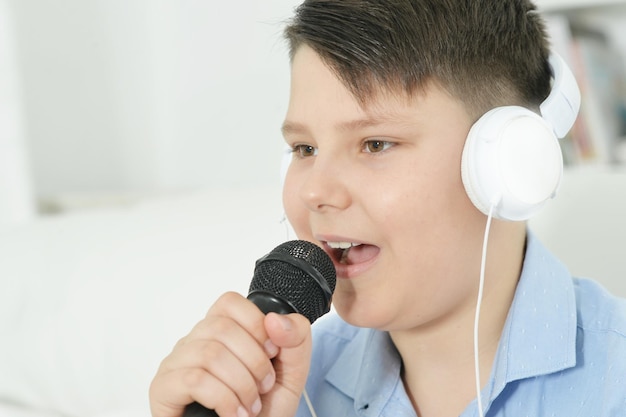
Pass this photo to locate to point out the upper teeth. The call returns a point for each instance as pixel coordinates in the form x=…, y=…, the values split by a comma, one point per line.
x=342, y=245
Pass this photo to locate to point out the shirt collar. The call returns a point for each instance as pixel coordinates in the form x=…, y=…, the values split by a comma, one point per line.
x=539, y=336
x=375, y=357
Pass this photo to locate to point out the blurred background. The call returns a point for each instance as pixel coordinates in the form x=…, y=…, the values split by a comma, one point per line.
x=110, y=101
x=107, y=101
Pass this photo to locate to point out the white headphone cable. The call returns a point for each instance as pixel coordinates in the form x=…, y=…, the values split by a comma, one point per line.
x=479, y=301
x=309, y=404
x=285, y=222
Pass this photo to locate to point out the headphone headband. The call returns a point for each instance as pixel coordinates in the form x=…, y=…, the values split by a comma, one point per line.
x=560, y=108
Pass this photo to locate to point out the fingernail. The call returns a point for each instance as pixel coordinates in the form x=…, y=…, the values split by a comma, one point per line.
x=270, y=348
x=256, y=407
x=285, y=322
x=241, y=412
x=267, y=383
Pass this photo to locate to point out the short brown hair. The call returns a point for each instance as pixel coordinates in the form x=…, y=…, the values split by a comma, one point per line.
x=485, y=52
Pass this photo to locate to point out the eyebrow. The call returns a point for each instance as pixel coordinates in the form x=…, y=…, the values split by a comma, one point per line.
x=294, y=128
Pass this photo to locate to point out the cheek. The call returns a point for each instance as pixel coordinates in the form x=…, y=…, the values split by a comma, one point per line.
x=432, y=218
x=294, y=208
x=441, y=184
x=426, y=195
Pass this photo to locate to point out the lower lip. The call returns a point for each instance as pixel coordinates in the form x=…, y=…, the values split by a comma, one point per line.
x=345, y=271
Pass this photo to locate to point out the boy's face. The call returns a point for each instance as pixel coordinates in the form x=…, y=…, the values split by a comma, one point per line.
x=386, y=177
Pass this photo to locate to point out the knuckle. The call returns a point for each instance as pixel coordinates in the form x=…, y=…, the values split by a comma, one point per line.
x=228, y=298
x=225, y=396
x=193, y=377
x=222, y=326
x=211, y=352
x=248, y=396
x=228, y=404
x=212, y=393
x=246, y=391
x=261, y=368
x=181, y=342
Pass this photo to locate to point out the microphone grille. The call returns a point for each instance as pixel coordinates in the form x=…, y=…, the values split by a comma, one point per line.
x=300, y=273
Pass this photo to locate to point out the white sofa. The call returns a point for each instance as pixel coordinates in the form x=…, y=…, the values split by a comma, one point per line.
x=90, y=302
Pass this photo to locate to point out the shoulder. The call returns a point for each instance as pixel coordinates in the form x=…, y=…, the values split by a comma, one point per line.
x=599, y=311
x=601, y=343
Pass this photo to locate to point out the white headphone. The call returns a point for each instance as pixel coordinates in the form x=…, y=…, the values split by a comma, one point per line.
x=512, y=159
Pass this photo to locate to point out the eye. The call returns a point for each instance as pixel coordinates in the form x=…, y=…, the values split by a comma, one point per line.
x=304, y=151
x=376, y=146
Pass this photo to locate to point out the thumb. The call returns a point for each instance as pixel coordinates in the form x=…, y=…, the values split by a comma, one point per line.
x=291, y=333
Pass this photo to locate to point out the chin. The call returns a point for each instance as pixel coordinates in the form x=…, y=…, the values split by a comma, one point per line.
x=363, y=313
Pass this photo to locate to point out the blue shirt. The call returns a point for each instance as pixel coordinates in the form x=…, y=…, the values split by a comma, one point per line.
x=562, y=353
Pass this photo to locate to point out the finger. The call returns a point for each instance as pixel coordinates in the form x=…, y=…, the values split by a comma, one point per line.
x=245, y=313
x=178, y=388
x=229, y=335
x=215, y=358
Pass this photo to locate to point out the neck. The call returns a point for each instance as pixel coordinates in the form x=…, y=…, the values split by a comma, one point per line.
x=439, y=357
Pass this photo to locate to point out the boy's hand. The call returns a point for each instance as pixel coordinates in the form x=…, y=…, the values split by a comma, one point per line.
x=237, y=361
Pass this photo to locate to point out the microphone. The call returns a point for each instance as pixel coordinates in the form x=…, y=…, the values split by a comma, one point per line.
x=295, y=277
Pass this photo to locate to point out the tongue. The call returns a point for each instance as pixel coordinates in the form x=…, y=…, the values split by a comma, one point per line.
x=361, y=253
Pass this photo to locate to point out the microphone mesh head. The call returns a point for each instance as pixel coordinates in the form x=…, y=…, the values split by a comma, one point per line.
x=294, y=283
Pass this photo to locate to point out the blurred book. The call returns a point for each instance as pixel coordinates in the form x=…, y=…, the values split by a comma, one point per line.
x=598, y=68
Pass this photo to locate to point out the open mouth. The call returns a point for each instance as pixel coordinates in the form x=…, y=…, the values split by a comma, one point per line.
x=350, y=253
x=340, y=250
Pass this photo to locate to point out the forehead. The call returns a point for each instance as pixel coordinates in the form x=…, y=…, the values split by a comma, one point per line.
x=309, y=68
x=318, y=96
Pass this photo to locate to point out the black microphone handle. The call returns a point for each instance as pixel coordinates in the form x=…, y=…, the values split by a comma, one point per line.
x=302, y=281
x=267, y=302
x=198, y=410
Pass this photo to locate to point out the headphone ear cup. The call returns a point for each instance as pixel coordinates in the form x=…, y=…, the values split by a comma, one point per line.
x=511, y=161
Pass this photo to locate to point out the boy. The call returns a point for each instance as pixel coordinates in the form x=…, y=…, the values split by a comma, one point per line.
x=383, y=95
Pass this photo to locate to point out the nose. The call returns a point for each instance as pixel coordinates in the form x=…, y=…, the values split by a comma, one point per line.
x=325, y=185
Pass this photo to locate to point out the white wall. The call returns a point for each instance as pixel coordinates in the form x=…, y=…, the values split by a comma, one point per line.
x=151, y=95
x=16, y=197
x=154, y=95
